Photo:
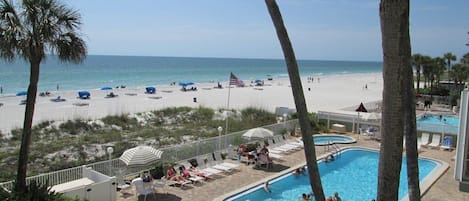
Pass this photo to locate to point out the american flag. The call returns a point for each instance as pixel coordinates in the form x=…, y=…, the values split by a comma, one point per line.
x=235, y=81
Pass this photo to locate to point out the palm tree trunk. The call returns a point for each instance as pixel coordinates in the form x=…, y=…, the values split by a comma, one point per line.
x=394, y=15
x=418, y=78
x=300, y=102
x=27, y=125
x=408, y=104
x=410, y=133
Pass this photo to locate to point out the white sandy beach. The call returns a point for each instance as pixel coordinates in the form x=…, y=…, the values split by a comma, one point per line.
x=331, y=93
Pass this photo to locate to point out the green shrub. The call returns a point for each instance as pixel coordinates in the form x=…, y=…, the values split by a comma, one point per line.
x=75, y=127
x=122, y=121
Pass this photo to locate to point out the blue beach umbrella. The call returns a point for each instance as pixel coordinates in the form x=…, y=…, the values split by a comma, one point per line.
x=257, y=81
x=150, y=90
x=22, y=93
x=185, y=84
x=106, y=88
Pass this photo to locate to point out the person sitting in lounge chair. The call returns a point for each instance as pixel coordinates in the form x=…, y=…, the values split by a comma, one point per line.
x=171, y=175
x=198, y=172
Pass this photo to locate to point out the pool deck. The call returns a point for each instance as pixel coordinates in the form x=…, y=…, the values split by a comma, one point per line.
x=445, y=188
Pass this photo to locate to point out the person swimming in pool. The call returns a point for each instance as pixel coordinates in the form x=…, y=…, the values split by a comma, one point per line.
x=267, y=187
x=329, y=158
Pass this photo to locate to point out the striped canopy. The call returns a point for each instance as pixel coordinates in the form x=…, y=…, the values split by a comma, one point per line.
x=258, y=133
x=140, y=155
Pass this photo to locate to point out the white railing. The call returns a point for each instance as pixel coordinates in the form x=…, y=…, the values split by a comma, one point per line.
x=115, y=167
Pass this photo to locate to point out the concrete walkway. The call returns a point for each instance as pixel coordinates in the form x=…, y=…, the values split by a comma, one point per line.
x=445, y=188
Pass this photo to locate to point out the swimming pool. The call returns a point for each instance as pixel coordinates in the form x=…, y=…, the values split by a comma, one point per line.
x=353, y=175
x=433, y=123
x=324, y=139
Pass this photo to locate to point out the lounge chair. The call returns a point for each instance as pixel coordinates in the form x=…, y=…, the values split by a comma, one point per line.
x=206, y=168
x=58, y=99
x=192, y=177
x=141, y=190
x=180, y=184
x=217, y=165
x=447, y=143
x=220, y=161
x=435, y=141
x=424, y=139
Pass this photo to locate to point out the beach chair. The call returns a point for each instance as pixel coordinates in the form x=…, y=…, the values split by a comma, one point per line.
x=181, y=184
x=447, y=143
x=424, y=139
x=141, y=190
x=218, y=165
x=192, y=177
x=435, y=141
x=206, y=168
x=220, y=161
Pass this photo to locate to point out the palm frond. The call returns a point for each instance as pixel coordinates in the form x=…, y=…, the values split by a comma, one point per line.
x=70, y=47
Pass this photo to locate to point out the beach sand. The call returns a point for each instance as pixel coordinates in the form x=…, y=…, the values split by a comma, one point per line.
x=333, y=92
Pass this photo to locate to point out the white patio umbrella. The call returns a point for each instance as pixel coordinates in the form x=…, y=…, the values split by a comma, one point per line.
x=140, y=155
x=258, y=133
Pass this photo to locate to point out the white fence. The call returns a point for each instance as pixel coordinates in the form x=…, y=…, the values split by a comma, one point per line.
x=173, y=153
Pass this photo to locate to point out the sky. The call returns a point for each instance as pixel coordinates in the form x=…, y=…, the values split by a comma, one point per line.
x=318, y=29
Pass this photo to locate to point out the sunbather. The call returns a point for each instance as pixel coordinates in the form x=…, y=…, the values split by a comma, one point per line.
x=171, y=175
x=198, y=172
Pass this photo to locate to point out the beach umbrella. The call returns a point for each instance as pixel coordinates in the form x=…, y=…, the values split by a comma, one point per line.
x=140, y=155
x=150, y=90
x=106, y=88
x=84, y=94
x=22, y=93
x=257, y=81
x=185, y=84
x=258, y=133
x=361, y=108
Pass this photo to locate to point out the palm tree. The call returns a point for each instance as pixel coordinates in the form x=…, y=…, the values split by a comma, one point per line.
x=439, y=69
x=459, y=73
x=465, y=59
x=298, y=95
x=449, y=57
x=29, y=30
x=398, y=94
x=417, y=61
x=426, y=69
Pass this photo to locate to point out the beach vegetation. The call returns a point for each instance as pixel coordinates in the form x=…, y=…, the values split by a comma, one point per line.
x=28, y=30
x=76, y=142
x=123, y=121
x=74, y=127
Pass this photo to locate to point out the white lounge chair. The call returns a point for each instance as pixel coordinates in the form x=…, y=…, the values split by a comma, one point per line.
x=141, y=190
x=175, y=183
x=424, y=139
x=206, y=168
x=435, y=141
x=218, y=164
x=220, y=161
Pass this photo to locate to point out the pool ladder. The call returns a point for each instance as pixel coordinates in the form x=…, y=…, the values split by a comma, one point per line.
x=331, y=146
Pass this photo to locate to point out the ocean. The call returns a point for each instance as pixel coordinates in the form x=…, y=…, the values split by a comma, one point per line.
x=138, y=71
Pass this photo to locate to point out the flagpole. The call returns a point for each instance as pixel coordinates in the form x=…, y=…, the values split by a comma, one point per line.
x=228, y=104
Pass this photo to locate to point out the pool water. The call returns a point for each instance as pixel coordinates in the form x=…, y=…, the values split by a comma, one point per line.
x=324, y=139
x=353, y=175
x=433, y=123
x=445, y=120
